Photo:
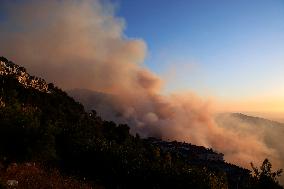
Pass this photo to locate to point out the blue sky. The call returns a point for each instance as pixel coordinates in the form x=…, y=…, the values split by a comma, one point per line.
x=225, y=48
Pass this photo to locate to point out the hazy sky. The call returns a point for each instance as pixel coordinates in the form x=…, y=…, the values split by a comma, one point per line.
x=230, y=50
x=233, y=50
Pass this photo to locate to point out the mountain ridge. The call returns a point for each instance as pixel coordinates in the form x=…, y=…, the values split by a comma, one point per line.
x=257, y=119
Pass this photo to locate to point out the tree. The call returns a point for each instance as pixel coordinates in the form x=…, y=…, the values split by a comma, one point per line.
x=264, y=177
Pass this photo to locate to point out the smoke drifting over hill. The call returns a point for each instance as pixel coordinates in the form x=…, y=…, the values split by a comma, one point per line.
x=80, y=44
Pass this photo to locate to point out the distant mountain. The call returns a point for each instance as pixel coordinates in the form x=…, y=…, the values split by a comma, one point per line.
x=105, y=104
x=262, y=122
x=89, y=98
x=269, y=131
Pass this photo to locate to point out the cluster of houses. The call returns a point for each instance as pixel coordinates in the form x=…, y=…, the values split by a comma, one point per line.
x=201, y=156
x=9, y=68
x=187, y=150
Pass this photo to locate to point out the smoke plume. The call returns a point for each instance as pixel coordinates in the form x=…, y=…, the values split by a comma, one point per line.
x=81, y=44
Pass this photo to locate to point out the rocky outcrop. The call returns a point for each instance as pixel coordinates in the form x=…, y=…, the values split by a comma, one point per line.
x=28, y=81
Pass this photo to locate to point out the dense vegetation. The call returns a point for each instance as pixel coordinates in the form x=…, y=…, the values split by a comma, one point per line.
x=53, y=130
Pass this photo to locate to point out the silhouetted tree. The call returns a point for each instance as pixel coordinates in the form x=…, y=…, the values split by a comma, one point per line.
x=264, y=177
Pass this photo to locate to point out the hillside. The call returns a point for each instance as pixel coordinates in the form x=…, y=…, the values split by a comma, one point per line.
x=262, y=122
x=271, y=131
x=268, y=131
x=41, y=124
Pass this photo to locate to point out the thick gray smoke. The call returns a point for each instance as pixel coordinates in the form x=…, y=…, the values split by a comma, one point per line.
x=80, y=44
